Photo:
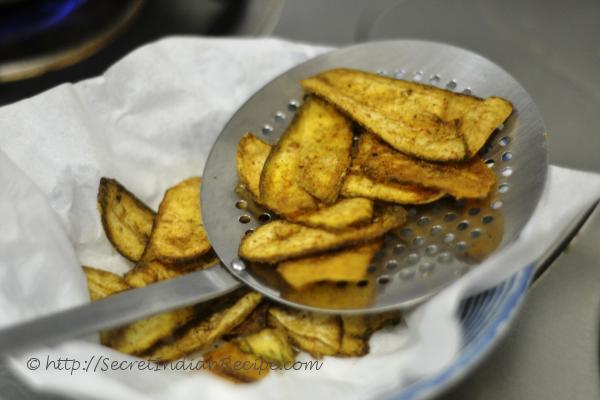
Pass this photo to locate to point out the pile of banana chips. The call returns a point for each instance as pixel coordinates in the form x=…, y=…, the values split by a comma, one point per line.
x=359, y=148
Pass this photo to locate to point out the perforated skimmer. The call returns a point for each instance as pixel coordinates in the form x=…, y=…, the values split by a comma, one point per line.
x=439, y=242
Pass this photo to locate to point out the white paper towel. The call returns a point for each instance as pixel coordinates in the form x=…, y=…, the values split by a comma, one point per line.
x=149, y=121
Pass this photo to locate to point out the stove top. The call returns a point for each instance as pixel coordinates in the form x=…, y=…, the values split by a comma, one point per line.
x=44, y=43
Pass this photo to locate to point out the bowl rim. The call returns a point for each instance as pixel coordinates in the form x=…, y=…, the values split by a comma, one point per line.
x=475, y=351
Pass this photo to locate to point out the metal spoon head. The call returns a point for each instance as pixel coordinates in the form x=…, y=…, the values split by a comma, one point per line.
x=440, y=242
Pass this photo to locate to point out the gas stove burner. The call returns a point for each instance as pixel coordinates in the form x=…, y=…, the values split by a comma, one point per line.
x=49, y=42
x=37, y=36
x=25, y=18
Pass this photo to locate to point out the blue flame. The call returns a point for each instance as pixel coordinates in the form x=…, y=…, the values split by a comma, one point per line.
x=35, y=17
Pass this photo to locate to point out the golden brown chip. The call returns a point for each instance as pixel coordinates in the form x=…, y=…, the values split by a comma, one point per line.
x=339, y=295
x=255, y=322
x=378, y=321
x=334, y=295
x=355, y=336
x=250, y=160
x=139, y=336
x=348, y=265
x=353, y=346
x=252, y=153
x=360, y=185
x=343, y=214
x=420, y=120
x=325, y=154
x=458, y=104
x=469, y=179
x=317, y=334
x=479, y=122
x=102, y=283
x=178, y=235
x=230, y=362
x=406, y=117
x=269, y=344
x=308, y=162
x=127, y=221
x=358, y=328
x=206, y=331
x=281, y=240
x=148, y=272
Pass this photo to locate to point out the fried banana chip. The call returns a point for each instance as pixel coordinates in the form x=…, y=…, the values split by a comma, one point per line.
x=269, y=344
x=469, y=179
x=178, y=235
x=355, y=336
x=343, y=214
x=325, y=163
x=406, y=118
x=358, y=328
x=317, y=334
x=359, y=185
x=348, y=265
x=148, y=272
x=207, y=330
x=420, y=120
x=127, y=221
x=252, y=153
x=230, y=362
x=376, y=322
x=280, y=240
x=102, y=283
x=334, y=296
x=477, y=118
x=478, y=123
x=139, y=336
x=325, y=152
x=255, y=322
x=308, y=162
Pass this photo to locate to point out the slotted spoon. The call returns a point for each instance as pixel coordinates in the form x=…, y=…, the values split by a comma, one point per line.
x=439, y=243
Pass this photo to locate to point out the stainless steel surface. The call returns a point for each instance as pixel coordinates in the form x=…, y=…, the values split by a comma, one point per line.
x=553, y=351
x=117, y=310
x=429, y=252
